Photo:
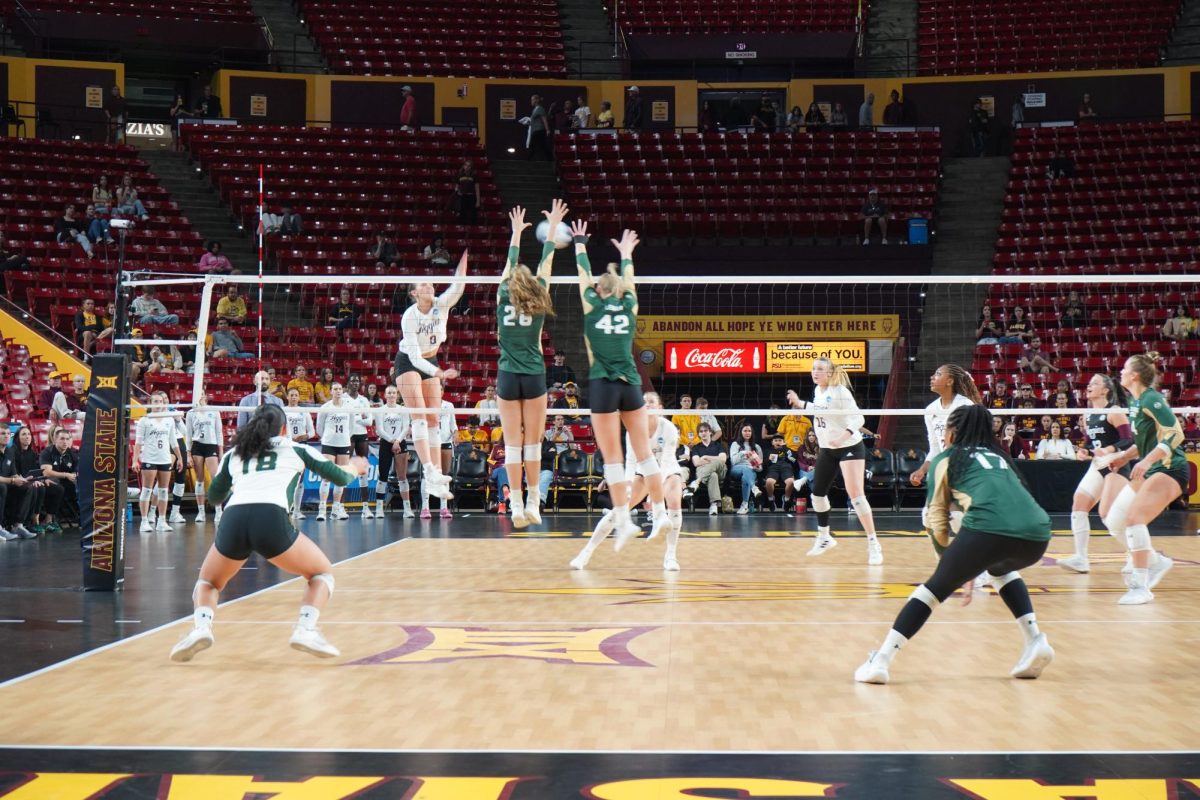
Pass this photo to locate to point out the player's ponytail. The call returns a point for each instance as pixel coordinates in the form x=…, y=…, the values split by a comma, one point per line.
x=610, y=282
x=1144, y=365
x=961, y=382
x=837, y=374
x=527, y=294
x=1116, y=394
x=254, y=438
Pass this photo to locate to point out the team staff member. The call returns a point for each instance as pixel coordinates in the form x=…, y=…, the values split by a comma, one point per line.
x=1003, y=530
x=522, y=303
x=16, y=494
x=60, y=465
x=257, y=477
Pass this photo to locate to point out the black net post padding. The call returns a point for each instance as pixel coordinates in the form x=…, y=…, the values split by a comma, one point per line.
x=102, y=475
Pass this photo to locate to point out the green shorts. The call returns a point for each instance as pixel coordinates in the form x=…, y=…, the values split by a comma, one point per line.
x=262, y=528
x=1181, y=473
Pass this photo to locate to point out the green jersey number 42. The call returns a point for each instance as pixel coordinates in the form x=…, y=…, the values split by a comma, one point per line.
x=610, y=324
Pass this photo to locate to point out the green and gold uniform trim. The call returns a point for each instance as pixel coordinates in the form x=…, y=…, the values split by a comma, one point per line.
x=1154, y=424
x=520, y=335
x=990, y=494
x=609, y=327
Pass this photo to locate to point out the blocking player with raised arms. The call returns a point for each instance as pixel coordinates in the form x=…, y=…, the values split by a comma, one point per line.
x=1108, y=433
x=206, y=434
x=1003, y=530
x=839, y=435
x=522, y=303
x=609, y=321
x=392, y=422
x=258, y=476
x=155, y=453
x=335, y=425
x=300, y=429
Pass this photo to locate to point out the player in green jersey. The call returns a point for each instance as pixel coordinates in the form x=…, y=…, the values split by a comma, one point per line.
x=610, y=308
x=1155, y=482
x=1003, y=530
x=522, y=303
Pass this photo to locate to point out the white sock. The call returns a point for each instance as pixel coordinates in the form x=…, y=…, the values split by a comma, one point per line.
x=379, y=507
x=676, y=518
x=199, y=501
x=515, y=497
x=407, y=504
x=599, y=533
x=203, y=617
x=621, y=513
x=534, y=496
x=323, y=492
x=425, y=494
x=891, y=646
x=822, y=530
x=657, y=509
x=308, y=617
x=1141, y=578
x=1029, y=627
x=1081, y=528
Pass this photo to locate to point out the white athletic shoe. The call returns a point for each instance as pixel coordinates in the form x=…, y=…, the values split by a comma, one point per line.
x=755, y=491
x=713, y=508
x=873, y=670
x=339, y=512
x=198, y=639
x=439, y=489
x=625, y=533
x=670, y=564
x=379, y=510
x=581, y=561
x=824, y=543
x=366, y=512
x=1075, y=563
x=1159, y=569
x=694, y=485
x=147, y=526
x=321, y=513
x=660, y=523
x=874, y=553
x=533, y=511
x=1038, y=654
x=518, y=516
x=176, y=518
x=408, y=513
x=743, y=510
x=217, y=516
x=200, y=516
x=310, y=640
x=1136, y=596
x=981, y=580
x=297, y=514
x=161, y=526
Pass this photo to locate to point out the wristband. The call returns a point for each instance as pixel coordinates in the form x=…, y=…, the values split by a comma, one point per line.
x=580, y=239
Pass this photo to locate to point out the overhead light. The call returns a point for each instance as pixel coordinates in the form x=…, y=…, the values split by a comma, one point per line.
x=77, y=137
x=512, y=149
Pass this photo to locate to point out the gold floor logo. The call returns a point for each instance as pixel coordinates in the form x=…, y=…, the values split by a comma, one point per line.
x=584, y=646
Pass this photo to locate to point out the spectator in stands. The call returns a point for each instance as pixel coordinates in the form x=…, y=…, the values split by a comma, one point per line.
x=109, y=320
x=537, y=137
x=711, y=463
x=11, y=256
x=1086, y=109
x=564, y=120
x=70, y=405
x=1018, y=112
x=97, y=227
x=467, y=194
x=409, y=120
x=569, y=400
x=559, y=433
x=285, y=223
x=276, y=386
x=499, y=475
x=866, y=112
x=634, y=120
x=806, y=460
x=149, y=310
x=67, y=228
x=705, y=417
x=795, y=120
x=45, y=398
x=1013, y=444
x=87, y=326
x=214, y=261
x=893, y=112
x=116, y=109
x=1056, y=446
x=688, y=424
x=874, y=213
x=999, y=397
x=209, y=105
x=546, y=471
x=232, y=307
x=60, y=466
x=606, y=118
x=583, y=114
x=780, y=468
x=187, y=352
x=764, y=118
x=988, y=331
x=1061, y=166
x=226, y=343
x=102, y=197
x=344, y=314
x=1018, y=329
x=814, y=120
x=837, y=118
x=745, y=462
x=978, y=123
x=176, y=112
x=472, y=434
x=260, y=396
x=371, y=392
x=323, y=388
x=488, y=407
x=1074, y=315
x=384, y=252
x=127, y=199
x=300, y=383
x=559, y=374
x=436, y=253
x=1180, y=326
x=706, y=120
x=139, y=356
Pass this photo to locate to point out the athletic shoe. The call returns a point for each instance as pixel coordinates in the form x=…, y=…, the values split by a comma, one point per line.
x=581, y=561
x=161, y=526
x=425, y=514
x=693, y=485
x=176, y=518
x=379, y=510
x=800, y=484
x=52, y=527
x=873, y=670
x=198, y=639
x=1037, y=656
x=22, y=532
x=502, y=508
x=310, y=640
x=217, y=516
x=1075, y=563
x=147, y=526
x=533, y=511
x=200, y=516
x=339, y=512
x=661, y=523
x=824, y=543
x=519, y=520
x=713, y=508
x=440, y=490
x=687, y=492
x=5, y=536
x=297, y=514
x=1159, y=569
x=670, y=564
x=408, y=513
x=624, y=533
x=321, y=513
x=1136, y=596
x=743, y=510
x=874, y=553
x=755, y=491
x=446, y=513
x=366, y=511
x=981, y=580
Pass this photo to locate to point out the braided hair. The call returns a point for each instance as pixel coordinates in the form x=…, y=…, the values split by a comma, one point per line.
x=961, y=382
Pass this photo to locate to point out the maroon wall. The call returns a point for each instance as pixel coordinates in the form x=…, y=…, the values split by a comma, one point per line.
x=286, y=99
x=377, y=102
x=1195, y=79
x=62, y=92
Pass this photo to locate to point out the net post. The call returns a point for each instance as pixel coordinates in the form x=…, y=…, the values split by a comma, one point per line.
x=103, y=467
x=260, y=265
x=201, y=333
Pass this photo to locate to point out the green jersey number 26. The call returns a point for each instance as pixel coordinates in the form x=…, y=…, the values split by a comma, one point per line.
x=609, y=323
x=512, y=318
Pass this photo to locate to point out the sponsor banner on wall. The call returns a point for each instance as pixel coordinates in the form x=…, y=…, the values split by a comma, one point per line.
x=783, y=357
x=728, y=358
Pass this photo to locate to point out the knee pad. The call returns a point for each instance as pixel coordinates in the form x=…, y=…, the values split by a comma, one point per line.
x=676, y=517
x=648, y=467
x=1137, y=537
x=420, y=430
x=861, y=506
x=177, y=489
x=820, y=503
x=381, y=486
x=513, y=453
x=199, y=584
x=402, y=486
x=1000, y=581
x=325, y=578
x=162, y=495
x=145, y=494
x=533, y=452
x=925, y=596
x=1115, y=521
x=614, y=473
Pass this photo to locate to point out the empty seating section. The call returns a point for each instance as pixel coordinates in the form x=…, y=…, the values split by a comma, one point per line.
x=989, y=36
x=1129, y=211
x=425, y=37
x=204, y=10
x=732, y=185
x=747, y=16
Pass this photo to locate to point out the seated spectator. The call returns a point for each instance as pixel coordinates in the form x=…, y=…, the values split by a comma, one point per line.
x=795, y=120
x=1180, y=326
x=764, y=119
x=43, y=494
x=187, y=353
x=226, y=343
x=139, y=356
x=779, y=468
x=1013, y=444
x=97, y=226
x=814, y=119
x=745, y=463
x=499, y=475
x=109, y=322
x=1018, y=329
x=998, y=397
x=702, y=407
x=472, y=434
x=1028, y=424
x=232, y=307
x=149, y=310
x=711, y=463
x=72, y=404
x=165, y=360
x=893, y=112
x=274, y=385
x=559, y=434
x=806, y=460
x=874, y=213
x=60, y=466
x=488, y=408
x=45, y=398
x=285, y=223
x=795, y=428
x=323, y=388
x=570, y=400
x=67, y=229
x=11, y=256
x=546, y=471
x=344, y=314
x=837, y=118
x=1086, y=109
x=436, y=253
x=384, y=251
x=213, y=261
x=988, y=331
x=87, y=327
x=1034, y=359
x=102, y=197
x=605, y=118
x=1061, y=166
x=127, y=199
x=559, y=374
x=300, y=383
x=1056, y=447
x=1074, y=315
x=16, y=494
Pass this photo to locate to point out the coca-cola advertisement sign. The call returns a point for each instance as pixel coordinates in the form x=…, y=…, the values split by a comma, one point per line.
x=729, y=358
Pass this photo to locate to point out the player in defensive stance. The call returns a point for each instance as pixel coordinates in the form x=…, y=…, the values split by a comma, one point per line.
x=522, y=303
x=609, y=321
x=1156, y=480
x=841, y=447
x=1108, y=433
x=664, y=441
x=1003, y=530
x=257, y=476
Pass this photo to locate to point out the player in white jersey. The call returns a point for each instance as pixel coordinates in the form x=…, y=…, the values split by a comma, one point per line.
x=257, y=476
x=206, y=444
x=182, y=467
x=393, y=423
x=664, y=442
x=335, y=426
x=300, y=429
x=359, y=438
x=155, y=452
x=418, y=375
x=954, y=388
x=839, y=436
x=445, y=434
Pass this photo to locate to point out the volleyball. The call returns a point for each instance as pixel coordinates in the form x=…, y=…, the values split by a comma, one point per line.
x=562, y=234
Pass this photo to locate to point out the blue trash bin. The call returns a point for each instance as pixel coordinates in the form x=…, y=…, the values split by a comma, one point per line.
x=918, y=231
